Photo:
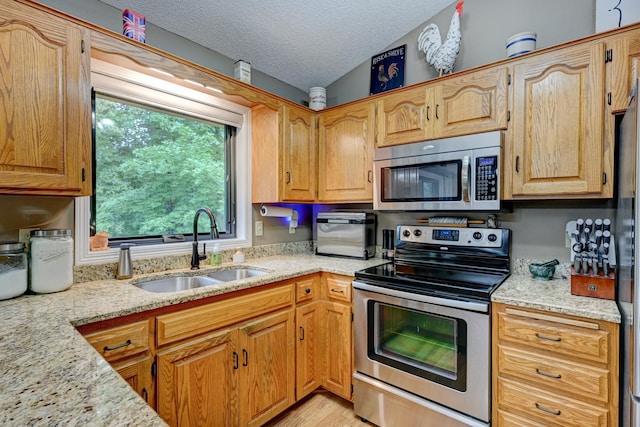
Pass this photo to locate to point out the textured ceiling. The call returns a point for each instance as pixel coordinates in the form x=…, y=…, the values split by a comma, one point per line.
x=302, y=43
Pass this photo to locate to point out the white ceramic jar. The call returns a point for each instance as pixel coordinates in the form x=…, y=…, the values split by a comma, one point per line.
x=51, y=260
x=13, y=269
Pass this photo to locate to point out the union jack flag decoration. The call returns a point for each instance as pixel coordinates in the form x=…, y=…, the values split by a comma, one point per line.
x=134, y=25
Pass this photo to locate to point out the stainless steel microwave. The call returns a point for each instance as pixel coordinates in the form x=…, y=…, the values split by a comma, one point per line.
x=450, y=174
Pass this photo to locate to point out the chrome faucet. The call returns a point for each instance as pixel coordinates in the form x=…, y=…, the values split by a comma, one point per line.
x=195, y=256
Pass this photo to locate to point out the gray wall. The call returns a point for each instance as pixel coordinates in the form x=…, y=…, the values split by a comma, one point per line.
x=485, y=26
x=108, y=17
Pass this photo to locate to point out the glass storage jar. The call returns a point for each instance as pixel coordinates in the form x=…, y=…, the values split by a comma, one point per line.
x=13, y=269
x=51, y=260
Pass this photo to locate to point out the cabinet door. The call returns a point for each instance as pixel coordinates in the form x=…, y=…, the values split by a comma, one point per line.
x=623, y=64
x=403, y=117
x=197, y=381
x=307, y=348
x=471, y=103
x=346, y=142
x=555, y=146
x=137, y=372
x=45, y=102
x=337, y=349
x=267, y=364
x=299, y=155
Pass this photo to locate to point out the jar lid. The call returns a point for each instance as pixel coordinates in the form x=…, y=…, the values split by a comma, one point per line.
x=50, y=233
x=11, y=247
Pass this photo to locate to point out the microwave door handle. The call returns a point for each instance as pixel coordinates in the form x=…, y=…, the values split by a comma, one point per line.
x=466, y=169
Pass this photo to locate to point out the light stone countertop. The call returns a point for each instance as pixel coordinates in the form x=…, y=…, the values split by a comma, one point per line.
x=555, y=296
x=50, y=375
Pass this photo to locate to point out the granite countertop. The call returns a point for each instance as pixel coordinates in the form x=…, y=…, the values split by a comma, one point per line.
x=50, y=375
x=555, y=296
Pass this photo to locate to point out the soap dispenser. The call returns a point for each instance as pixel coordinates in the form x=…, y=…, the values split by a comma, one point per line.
x=125, y=266
x=238, y=257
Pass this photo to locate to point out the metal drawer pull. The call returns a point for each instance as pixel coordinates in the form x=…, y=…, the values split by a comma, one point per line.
x=544, y=374
x=145, y=395
x=548, y=411
x=307, y=291
x=337, y=291
x=235, y=360
x=107, y=348
x=301, y=333
x=246, y=357
x=542, y=337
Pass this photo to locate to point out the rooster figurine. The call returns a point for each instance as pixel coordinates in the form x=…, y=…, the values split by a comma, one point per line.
x=442, y=56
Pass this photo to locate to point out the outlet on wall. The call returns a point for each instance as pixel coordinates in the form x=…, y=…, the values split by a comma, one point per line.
x=259, y=228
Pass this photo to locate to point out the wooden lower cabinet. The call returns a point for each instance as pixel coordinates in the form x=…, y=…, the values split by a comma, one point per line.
x=553, y=370
x=308, y=330
x=137, y=373
x=337, y=368
x=197, y=381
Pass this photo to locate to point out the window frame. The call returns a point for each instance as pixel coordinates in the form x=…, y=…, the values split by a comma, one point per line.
x=231, y=113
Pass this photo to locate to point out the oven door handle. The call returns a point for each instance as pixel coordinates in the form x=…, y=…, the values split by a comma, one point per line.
x=479, y=307
x=466, y=171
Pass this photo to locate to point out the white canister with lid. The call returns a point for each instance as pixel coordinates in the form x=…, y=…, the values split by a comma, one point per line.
x=13, y=269
x=51, y=260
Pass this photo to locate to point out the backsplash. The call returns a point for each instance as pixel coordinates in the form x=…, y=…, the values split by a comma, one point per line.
x=89, y=273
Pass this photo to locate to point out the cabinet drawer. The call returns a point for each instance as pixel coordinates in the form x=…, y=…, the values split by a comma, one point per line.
x=307, y=288
x=338, y=288
x=122, y=341
x=548, y=408
x=194, y=321
x=554, y=373
x=555, y=334
x=505, y=419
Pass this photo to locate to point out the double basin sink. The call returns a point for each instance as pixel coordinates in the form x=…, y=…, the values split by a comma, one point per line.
x=181, y=283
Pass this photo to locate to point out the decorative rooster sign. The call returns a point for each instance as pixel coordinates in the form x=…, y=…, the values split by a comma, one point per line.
x=442, y=56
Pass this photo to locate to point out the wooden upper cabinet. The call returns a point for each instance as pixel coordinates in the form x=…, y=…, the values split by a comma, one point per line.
x=470, y=103
x=345, y=153
x=299, y=155
x=623, y=62
x=555, y=145
x=45, y=99
x=283, y=154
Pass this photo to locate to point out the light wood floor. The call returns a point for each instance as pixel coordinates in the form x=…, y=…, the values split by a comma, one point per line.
x=320, y=408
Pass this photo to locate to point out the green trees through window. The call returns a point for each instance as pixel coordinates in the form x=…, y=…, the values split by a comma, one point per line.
x=155, y=168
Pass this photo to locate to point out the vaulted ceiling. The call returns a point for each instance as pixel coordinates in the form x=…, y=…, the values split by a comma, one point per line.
x=302, y=43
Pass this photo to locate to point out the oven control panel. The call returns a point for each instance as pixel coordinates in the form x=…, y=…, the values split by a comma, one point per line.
x=452, y=236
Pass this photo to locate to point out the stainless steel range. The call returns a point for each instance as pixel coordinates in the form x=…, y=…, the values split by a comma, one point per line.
x=422, y=328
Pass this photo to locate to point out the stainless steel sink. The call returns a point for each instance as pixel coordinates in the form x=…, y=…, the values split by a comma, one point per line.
x=234, y=274
x=174, y=284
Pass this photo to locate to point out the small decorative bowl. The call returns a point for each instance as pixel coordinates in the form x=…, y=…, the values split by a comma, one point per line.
x=543, y=271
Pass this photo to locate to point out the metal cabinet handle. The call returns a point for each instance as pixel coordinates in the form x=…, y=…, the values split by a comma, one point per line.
x=545, y=374
x=235, y=360
x=466, y=188
x=517, y=164
x=437, y=106
x=301, y=333
x=542, y=337
x=288, y=177
x=337, y=291
x=370, y=176
x=548, y=411
x=145, y=395
x=428, y=113
x=245, y=353
x=124, y=344
x=307, y=291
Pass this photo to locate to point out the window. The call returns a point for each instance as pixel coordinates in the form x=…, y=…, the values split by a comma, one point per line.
x=154, y=169
x=161, y=151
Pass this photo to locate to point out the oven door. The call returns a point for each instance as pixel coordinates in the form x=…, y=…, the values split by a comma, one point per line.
x=436, y=348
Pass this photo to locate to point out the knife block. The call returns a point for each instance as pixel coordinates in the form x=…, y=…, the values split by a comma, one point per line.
x=585, y=285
